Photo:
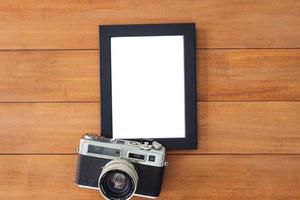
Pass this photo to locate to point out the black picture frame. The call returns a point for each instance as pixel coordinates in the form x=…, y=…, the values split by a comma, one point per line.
x=185, y=29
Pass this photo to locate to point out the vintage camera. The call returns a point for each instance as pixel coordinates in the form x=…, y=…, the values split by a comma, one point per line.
x=120, y=169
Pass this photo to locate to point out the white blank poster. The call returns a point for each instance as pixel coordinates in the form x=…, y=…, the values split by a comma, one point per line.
x=147, y=74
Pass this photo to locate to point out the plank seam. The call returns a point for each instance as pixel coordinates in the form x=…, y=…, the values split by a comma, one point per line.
x=198, y=48
x=171, y=154
x=241, y=101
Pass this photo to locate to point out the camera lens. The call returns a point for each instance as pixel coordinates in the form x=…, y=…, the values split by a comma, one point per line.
x=118, y=180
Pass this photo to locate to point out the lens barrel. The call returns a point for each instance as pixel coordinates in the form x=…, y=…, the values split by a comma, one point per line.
x=118, y=180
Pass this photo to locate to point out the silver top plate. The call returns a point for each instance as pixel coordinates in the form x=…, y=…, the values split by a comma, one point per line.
x=145, y=154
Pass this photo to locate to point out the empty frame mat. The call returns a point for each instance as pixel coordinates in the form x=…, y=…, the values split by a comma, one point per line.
x=148, y=83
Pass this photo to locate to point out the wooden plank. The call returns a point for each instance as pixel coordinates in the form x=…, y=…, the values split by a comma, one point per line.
x=248, y=127
x=222, y=75
x=64, y=24
x=46, y=127
x=248, y=75
x=187, y=177
x=31, y=76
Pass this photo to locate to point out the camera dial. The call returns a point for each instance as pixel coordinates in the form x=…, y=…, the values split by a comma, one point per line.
x=90, y=136
x=156, y=145
x=134, y=143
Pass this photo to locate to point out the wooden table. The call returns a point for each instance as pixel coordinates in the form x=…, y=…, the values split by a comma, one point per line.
x=248, y=89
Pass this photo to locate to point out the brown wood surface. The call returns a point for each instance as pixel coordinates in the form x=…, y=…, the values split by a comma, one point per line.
x=222, y=75
x=248, y=75
x=248, y=88
x=36, y=76
x=64, y=24
x=223, y=127
x=232, y=177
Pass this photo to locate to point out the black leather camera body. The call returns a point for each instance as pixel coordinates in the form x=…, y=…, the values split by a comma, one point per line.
x=120, y=169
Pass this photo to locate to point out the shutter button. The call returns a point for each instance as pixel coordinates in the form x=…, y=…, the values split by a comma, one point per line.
x=146, y=146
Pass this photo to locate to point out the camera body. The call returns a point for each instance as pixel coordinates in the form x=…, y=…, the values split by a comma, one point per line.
x=100, y=159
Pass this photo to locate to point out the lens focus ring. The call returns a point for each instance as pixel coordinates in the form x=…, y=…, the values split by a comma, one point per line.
x=118, y=180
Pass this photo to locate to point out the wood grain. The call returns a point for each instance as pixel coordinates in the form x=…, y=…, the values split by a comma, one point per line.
x=248, y=75
x=46, y=127
x=222, y=75
x=32, y=76
x=64, y=24
x=223, y=128
x=248, y=88
x=214, y=177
